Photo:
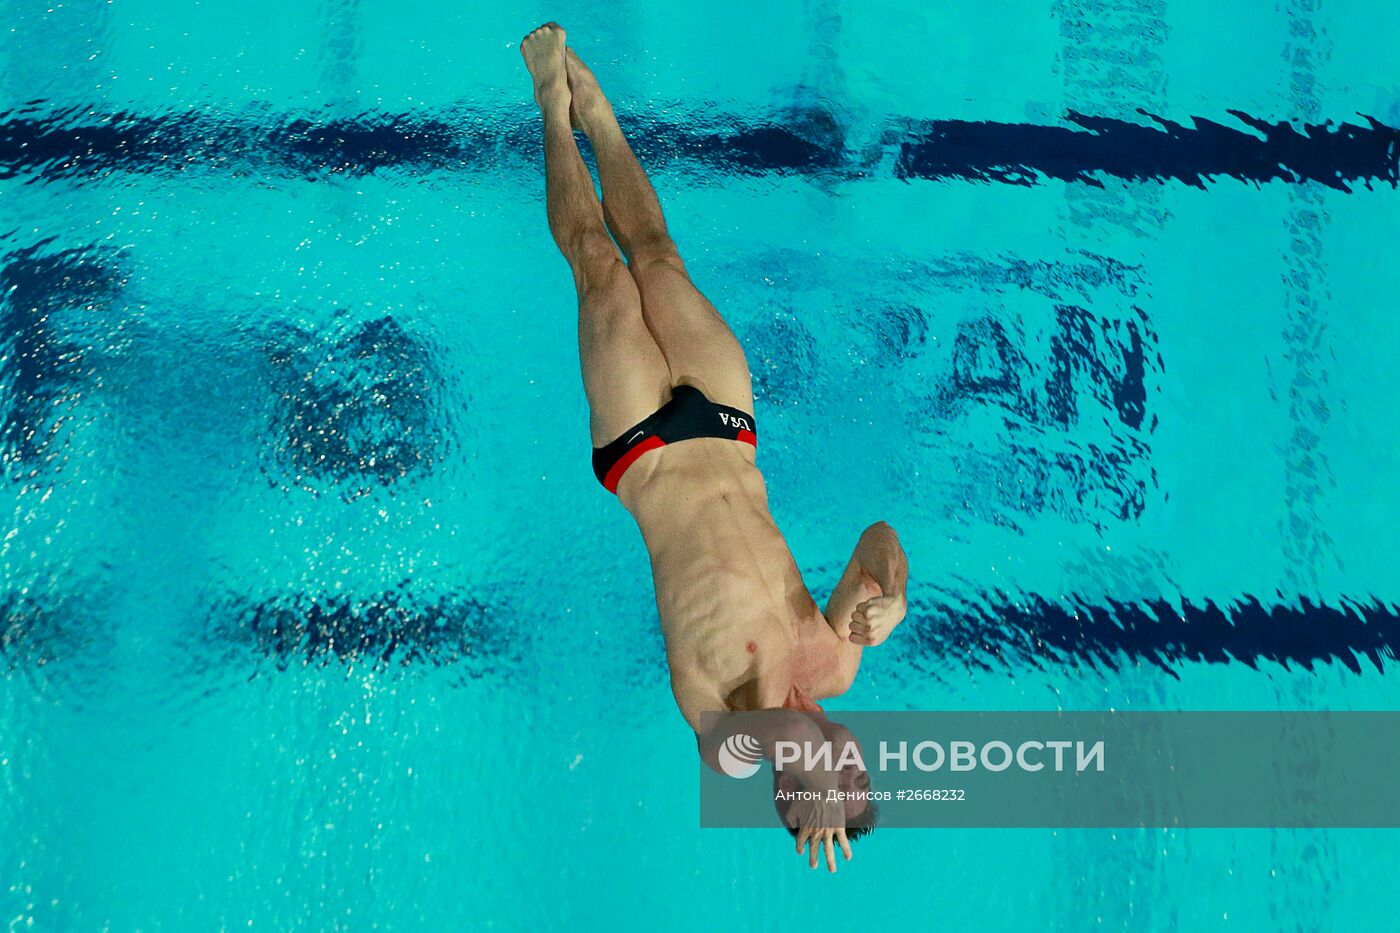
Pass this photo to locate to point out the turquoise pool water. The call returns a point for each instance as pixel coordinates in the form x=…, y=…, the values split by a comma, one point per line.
x=314, y=617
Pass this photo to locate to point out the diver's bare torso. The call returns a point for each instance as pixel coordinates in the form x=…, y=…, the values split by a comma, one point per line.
x=742, y=632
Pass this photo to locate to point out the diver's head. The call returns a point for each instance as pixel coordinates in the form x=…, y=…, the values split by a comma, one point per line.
x=852, y=780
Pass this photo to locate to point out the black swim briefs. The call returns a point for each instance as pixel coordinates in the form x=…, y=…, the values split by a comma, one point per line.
x=687, y=415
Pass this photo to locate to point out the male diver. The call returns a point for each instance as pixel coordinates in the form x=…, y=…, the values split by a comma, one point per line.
x=674, y=438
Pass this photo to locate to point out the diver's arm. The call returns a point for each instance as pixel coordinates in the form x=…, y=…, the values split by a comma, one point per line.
x=882, y=558
x=868, y=601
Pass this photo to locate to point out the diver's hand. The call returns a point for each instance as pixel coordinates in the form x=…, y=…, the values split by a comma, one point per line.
x=821, y=824
x=874, y=619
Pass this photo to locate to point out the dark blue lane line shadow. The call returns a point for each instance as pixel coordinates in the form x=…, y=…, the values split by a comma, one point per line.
x=1023, y=154
x=69, y=143
x=1116, y=635
x=394, y=627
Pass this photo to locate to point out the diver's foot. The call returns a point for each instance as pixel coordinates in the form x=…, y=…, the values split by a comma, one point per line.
x=587, y=105
x=543, y=50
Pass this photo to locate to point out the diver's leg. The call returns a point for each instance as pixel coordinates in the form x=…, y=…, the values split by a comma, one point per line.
x=698, y=346
x=624, y=373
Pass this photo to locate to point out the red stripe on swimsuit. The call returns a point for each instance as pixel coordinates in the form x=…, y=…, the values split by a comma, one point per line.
x=614, y=475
